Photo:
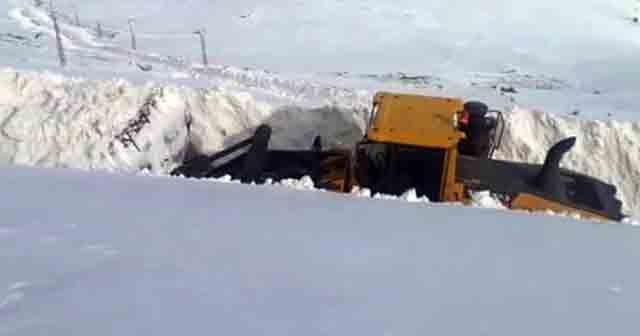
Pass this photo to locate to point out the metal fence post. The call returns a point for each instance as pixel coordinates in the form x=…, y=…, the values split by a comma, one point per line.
x=56, y=28
x=203, y=46
x=133, y=35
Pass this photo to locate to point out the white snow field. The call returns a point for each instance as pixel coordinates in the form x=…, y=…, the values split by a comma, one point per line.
x=93, y=253
x=110, y=246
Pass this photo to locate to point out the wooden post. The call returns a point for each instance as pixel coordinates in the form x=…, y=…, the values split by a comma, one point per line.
x=99, y=29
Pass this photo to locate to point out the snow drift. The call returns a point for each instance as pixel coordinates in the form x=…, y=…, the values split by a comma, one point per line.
x=176, y=256
x=47, y=120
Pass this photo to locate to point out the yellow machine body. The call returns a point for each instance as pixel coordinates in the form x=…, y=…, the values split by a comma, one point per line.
x=425, y=122
x=415, y=120
x=529, y=202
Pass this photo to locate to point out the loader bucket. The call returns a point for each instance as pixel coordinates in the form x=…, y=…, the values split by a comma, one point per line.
x=251, y=160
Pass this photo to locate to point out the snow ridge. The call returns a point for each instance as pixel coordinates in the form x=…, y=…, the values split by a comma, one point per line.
x=50, y=121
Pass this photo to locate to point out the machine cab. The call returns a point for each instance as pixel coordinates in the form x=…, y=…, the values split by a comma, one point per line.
x=411, y=141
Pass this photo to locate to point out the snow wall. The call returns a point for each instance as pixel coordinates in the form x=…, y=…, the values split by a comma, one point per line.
x=49, y=120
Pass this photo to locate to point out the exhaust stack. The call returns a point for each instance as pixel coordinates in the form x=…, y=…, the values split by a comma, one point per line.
x=548, y=179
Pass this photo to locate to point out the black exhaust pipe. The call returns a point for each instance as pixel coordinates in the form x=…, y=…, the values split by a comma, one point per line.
x=548, y=179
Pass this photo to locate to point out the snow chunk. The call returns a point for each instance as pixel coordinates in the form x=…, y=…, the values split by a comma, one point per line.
x=412, y=197
x=305, y=183
x=484, y=199
x=361, y=192
x=226, y=179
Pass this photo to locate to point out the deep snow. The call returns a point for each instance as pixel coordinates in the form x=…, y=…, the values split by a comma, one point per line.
x=93, y=253
x=126, y=253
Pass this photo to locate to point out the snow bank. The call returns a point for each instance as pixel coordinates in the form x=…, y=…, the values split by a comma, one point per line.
x=53, y=121
x=48, y=120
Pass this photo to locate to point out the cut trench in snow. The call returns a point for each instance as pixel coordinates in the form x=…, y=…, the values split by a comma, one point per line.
x=76, y=123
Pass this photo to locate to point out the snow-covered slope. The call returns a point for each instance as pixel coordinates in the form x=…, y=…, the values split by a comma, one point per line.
x=433, y=37
x=104, y=254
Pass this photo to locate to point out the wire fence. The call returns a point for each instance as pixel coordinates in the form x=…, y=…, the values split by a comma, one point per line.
x=102, y=31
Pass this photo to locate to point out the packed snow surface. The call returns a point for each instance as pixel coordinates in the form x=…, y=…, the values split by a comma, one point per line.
x=101, y=254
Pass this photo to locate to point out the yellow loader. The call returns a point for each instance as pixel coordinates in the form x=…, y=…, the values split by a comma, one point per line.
x=441, y=147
